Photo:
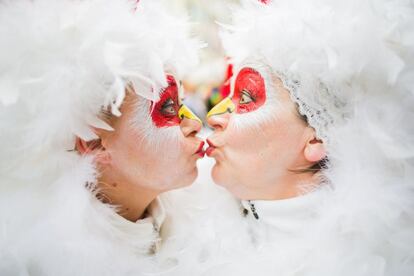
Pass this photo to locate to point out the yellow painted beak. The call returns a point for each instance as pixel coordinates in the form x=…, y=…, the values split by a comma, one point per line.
x=222, y=107
x=185, y=112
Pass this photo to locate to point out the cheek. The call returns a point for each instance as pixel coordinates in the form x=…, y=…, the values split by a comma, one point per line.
x=155, y=156
x=147, y=147
x=246, y=153
x=266, y=146
x=288, y=140
x=168, y=144
x=256, y=156
x=156, y=139
x=161, y=121
x=254, y=121
x=248, y=132
x=168, y=151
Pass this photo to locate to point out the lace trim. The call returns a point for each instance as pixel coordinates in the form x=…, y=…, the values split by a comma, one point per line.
x=317, y=115
x=319, y=105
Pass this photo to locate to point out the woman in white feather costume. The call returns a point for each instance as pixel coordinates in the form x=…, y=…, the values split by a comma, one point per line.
x=317, y=139
x=88, y=116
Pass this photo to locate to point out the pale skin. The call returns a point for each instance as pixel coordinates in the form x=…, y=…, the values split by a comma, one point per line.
x=262, y=165
x=131, y=174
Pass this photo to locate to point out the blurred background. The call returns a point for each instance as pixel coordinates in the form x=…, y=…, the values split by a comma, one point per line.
x=208, y=83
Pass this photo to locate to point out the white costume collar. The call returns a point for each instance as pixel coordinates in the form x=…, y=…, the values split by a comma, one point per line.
x=276, y=219
x=155, y=215
x=147, y=228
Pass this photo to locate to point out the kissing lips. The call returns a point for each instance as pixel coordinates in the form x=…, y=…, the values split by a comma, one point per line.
x=200, y=150
x=210, y=149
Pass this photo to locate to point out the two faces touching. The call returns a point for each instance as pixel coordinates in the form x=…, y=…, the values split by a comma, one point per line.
x=262, y=147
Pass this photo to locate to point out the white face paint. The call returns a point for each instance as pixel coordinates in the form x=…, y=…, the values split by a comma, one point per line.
x=161, y=157
x=256, y=145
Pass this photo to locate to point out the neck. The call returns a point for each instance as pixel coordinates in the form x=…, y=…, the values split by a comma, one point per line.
x=288, y=186
x=131, y=199
x=295, y=184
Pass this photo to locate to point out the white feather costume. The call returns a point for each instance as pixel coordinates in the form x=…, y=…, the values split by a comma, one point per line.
x=61, y=62
x=361, y=222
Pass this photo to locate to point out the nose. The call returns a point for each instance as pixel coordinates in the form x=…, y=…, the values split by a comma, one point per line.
x=218, y=117
x=190, y=124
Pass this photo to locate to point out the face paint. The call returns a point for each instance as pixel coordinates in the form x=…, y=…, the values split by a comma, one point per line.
x=185, y=112
x=249, y=91
x=165, y=111
x=222, y=107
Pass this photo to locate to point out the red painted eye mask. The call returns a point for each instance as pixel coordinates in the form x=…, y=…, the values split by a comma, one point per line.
x=165, y=111
x=249, y=91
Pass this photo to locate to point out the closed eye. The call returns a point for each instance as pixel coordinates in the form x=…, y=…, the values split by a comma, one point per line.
x=245, y=97
x=168, y=108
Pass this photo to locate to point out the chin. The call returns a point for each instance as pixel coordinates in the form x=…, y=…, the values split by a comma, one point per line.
x=193, y=176
x=226, y=181
x=218, y=176
x=236, y=191
x=188, y=179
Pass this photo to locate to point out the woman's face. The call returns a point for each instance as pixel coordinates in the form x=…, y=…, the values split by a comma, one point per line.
x=155, y=144
x=258, y=138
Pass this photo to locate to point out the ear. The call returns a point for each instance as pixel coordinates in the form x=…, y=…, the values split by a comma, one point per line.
x=314, y=150
x=93, y=147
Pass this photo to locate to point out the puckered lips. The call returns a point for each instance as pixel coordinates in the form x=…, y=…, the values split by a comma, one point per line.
x=211, y=147
x=200, y=150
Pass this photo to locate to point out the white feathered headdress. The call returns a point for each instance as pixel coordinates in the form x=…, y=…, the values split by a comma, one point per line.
x=328, y=53
x=62, y=61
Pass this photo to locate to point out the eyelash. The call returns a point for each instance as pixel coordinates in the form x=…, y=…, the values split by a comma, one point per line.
x=246, y=93
x=168, y=104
